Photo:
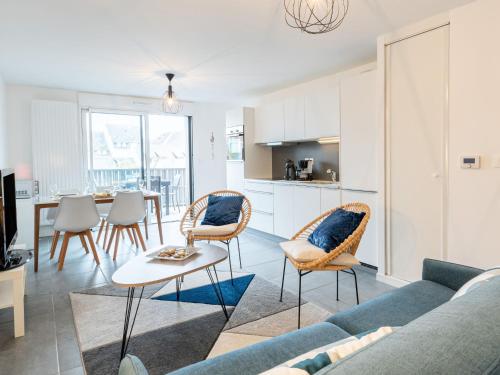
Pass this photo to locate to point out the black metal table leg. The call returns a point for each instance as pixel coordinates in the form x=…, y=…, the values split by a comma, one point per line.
x=128, y=309
x=218, y=290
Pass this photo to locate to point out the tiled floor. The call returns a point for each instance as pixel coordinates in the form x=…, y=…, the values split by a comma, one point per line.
x=50, y=345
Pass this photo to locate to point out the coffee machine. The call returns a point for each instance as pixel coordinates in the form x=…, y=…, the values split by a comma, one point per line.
x=306, y=169
x=290, y=173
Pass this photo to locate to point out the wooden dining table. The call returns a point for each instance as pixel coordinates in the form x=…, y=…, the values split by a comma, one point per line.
x=41, y=204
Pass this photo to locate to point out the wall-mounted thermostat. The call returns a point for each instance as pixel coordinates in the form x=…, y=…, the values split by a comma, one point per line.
x=471, y=162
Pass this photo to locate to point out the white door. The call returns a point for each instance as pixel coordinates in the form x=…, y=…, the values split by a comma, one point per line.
x=269, y=122
x=283, y=211
x=306, y=205
x=368, y=247
x=322, y=109
x=358, y=151
x=294, y=118
x=416, y=82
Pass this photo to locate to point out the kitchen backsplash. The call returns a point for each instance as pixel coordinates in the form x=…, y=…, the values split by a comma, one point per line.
x=325, y=157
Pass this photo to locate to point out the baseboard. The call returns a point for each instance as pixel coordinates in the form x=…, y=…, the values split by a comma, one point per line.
x=392, y=281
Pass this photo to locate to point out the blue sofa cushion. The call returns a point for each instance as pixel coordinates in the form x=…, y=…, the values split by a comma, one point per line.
x=335, y=229
x=395, y=308
x=459, y=337
x=223, y=210
x=452, y=275
x=267, y=354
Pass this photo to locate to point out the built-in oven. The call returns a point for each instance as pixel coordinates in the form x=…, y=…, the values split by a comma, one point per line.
x=235, y=138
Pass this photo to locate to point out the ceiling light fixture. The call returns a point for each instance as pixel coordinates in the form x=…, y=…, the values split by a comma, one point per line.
x=315, y=16
x=170, y=102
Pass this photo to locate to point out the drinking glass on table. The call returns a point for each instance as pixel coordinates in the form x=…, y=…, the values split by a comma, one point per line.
x=141, y=183
x=53, y=190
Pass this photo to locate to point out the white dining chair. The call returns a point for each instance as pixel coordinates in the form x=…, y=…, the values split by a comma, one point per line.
x=126, y=212
x=76, y=215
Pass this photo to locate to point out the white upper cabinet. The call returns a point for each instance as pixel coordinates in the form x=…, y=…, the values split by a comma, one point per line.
x=322, y=109
x=234, y=117
x=269, y=122
x=358, y=153
x=294, y=118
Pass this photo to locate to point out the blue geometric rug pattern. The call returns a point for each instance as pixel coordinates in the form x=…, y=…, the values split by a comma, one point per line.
x=205, y=294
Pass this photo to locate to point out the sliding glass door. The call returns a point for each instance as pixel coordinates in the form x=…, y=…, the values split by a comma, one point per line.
x=116, y=152
x=134, y=151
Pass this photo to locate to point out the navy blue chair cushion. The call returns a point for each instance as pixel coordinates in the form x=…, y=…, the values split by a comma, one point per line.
x=335, y=229
x=223, y=210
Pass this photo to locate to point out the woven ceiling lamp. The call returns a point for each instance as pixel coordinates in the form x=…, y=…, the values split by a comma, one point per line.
x=315, y=16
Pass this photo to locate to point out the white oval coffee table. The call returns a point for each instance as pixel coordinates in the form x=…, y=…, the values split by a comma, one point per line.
x=144, y=270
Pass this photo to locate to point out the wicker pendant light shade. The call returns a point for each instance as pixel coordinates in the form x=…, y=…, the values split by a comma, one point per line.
x=315, y=16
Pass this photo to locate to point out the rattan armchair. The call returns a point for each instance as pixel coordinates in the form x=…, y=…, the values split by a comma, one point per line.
x=195, y=213
x=324, y=263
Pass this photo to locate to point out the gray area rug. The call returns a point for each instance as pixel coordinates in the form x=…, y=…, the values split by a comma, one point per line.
x=163, y=350
x=180, y=333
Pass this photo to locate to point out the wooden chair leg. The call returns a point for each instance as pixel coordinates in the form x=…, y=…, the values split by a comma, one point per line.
x=55, y=238
x=129, y=235
x=113, y=232
x=135, y=238
x=92, y=245
x=117, y=241
x=101, y=227
x=146, y=227
x=123, y=234
x=64, y=248
x=84, y=243
x=138, y=230
x=106, y=231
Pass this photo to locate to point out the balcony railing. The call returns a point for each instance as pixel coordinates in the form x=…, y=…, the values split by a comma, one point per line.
x=128, y=178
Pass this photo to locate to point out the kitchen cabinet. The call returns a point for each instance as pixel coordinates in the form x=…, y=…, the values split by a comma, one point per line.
x=330, y=198
x=284, y=210
x=322, y=109
x=262, y=221
x=368, y=247
x=269, y=122
x=235, y=175
x=235, y=117
x=358, y=151
x=306, y=205
x=294, y=118
x=260, y=194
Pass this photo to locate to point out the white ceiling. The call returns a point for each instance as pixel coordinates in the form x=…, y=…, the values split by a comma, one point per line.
x=221, y=50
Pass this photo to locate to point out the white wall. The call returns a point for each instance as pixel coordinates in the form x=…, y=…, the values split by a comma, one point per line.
x=3, y=126
x=207, y=118
x=209, y=167
x=474, y=195
x=18, y=106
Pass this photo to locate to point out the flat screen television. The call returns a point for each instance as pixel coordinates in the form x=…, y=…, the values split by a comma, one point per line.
x=8, y=216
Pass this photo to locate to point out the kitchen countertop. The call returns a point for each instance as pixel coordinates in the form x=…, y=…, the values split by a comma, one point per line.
x=313, y=183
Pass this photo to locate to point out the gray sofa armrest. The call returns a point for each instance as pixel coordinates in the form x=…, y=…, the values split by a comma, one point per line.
x=448, y=274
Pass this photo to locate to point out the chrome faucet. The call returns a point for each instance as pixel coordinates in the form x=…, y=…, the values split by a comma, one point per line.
x=332, y=173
